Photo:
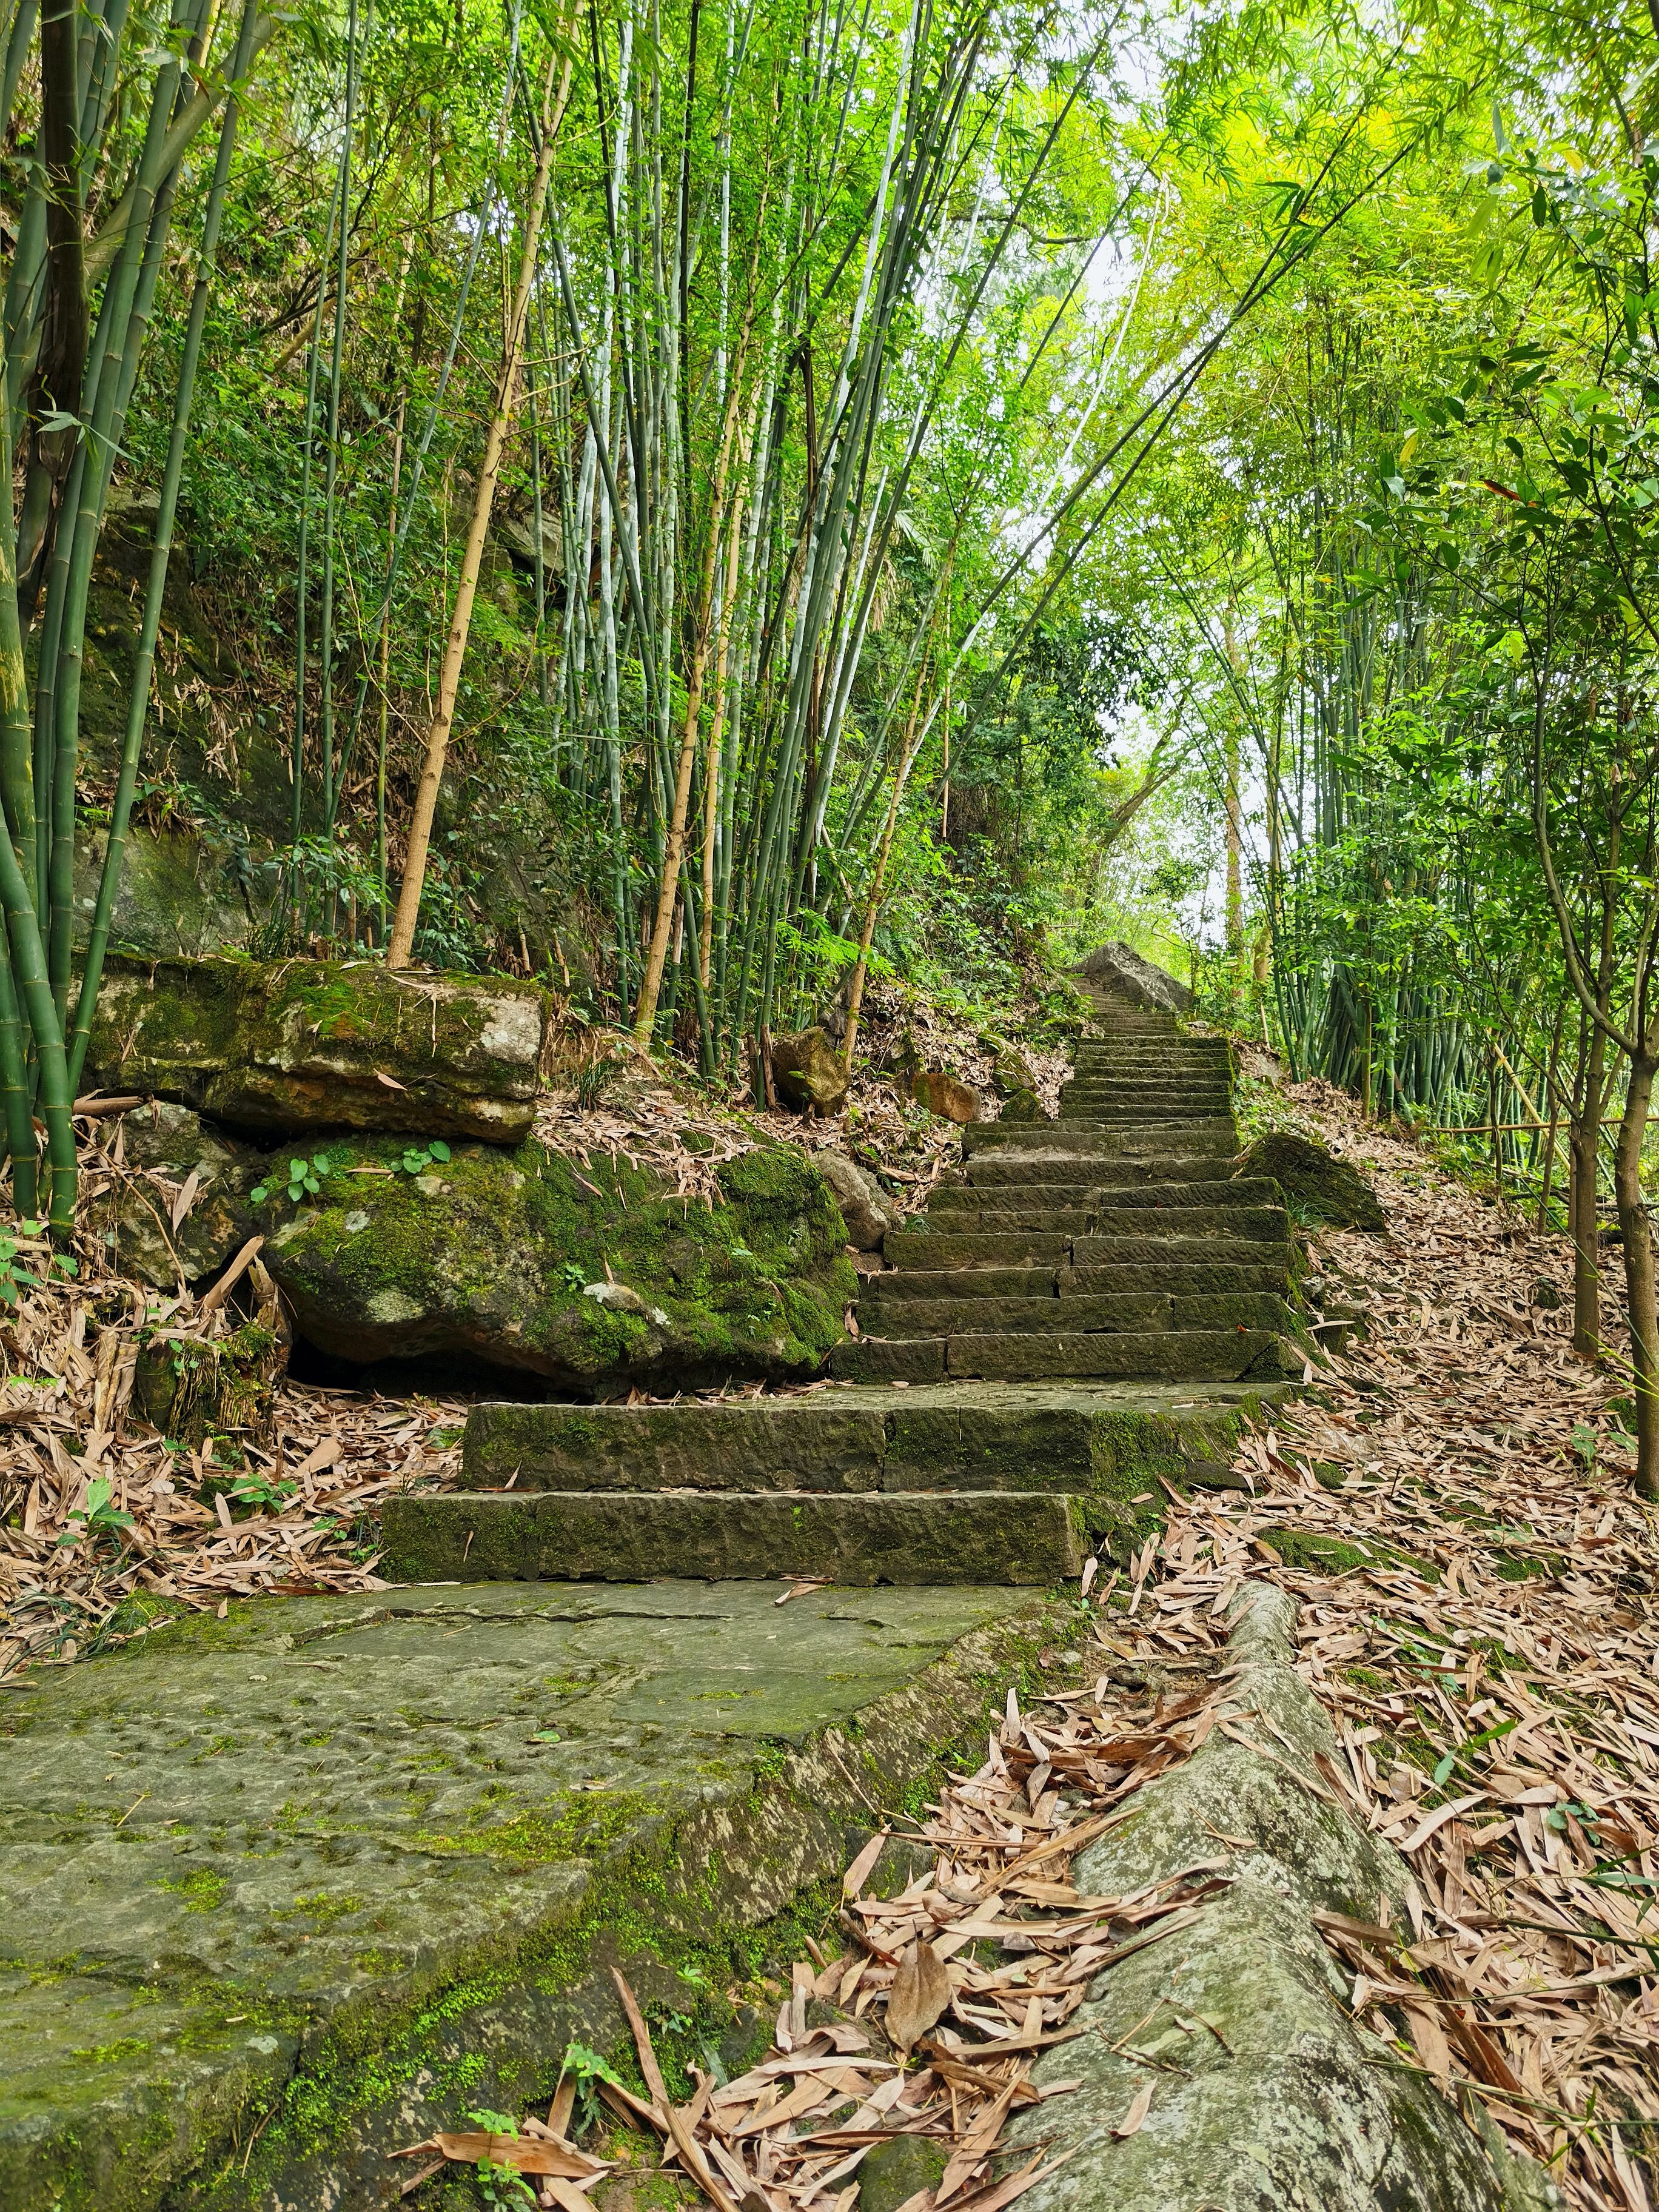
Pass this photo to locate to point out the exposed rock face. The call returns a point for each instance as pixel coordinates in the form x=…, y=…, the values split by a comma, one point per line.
x=865, y=1206
x=1124, y=972
x=286, y=1047
x=1314, y=1180
x=1010, y=1074
x=945, y=1095
x=161, y=1147
x=808, y=1072
x=596, y=1281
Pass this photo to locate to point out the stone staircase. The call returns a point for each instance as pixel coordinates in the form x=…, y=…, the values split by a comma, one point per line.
x=1085, y=1313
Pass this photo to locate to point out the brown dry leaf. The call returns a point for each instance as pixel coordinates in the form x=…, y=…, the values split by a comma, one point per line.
x=919, y=1997
x=858, y=1873
x=516, y=2151
x=1135, y=2119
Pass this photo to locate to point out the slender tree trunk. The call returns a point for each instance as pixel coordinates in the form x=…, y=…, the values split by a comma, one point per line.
x=1639, y=1269
x=1582, y=1140
x=437, y=744
x=878, y=873
x=644, y=1011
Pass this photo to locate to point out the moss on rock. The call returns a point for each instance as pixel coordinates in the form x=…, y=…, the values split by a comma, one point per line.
x=1316, y=1183
x=595, y=1279
x=291, y=1045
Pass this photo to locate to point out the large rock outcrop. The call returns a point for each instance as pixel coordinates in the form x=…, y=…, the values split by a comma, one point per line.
x=285, y=1047
x=595, y=1279
x=1316, y=1183
x=1123, y=970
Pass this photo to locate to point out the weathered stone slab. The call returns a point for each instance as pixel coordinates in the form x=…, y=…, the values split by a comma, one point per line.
x=968, y=1283
x=924, y=1247
x=825, y=1442
x=617, y=1536
x=1183, y=1278
x=1203, y=1133
x=1263, y=1224
x=290, y=1046
x=1140, y=1309
x=1265, y=2094
x=1195, y=1354
x=1214, y=1195
x=1098, y=1440
x=286, y=1891
x=889, y=1359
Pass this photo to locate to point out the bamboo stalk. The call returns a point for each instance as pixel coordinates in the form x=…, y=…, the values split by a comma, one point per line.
x=401, y=945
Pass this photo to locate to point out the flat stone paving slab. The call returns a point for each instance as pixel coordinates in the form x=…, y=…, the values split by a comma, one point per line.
x=285, y=1890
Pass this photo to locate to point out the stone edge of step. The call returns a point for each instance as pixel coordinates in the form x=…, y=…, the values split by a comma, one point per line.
x=1273, y=2094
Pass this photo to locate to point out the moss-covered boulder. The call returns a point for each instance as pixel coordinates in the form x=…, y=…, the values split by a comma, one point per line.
x=1316, y=1183
x=597, y=1279
x=283, y=1047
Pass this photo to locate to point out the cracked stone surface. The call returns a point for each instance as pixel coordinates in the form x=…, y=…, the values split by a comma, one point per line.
x=241, y=1862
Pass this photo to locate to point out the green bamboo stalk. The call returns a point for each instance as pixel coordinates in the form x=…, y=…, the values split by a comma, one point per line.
x=332, y=474
x=138, y=699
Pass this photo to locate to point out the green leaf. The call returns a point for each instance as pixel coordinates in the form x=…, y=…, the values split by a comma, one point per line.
x=1443, y=1770
x=438, y=1150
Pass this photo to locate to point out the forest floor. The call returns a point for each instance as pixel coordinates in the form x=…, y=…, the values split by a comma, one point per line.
x=1450, y=1503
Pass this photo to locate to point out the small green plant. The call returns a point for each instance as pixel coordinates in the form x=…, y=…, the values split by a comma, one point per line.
x=27, y=1238
x=263, y=1493
x=589, y=2069
x=96, y=1516
x=418, y=1158
x=502, y=2186
x=576, y=1275
x=304, y=1178
x=594, y=1081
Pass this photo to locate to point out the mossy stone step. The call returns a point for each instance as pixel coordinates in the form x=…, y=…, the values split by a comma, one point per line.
x=1206, y=1134
x=940, y=1538
x=1101, y=1440
x=1254, y=1222
x=925, y=1247
x=1174, y=1355
x=1238, y=1190
x=1185, y=1250
x=1015, y=1282
x=1180, y=1278
x=1038, y=1172
x=1140, y=1308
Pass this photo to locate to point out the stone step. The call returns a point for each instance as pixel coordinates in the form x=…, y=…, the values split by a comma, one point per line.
x=1263, y=1267
x=988, y=1282
x=1153, y=1099
x=1180, y=1280
x=1036, y=1247
x=1014, y=1209
x=921, y=1247
x=1255, y=1221
x=941, y=1537
x=1172, y=1355
x=1236, y=1190
x=1209, y=1134
x=1187, y=1251
x=1136, y=1309
x=1099, y=1439
x=989, y=1170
